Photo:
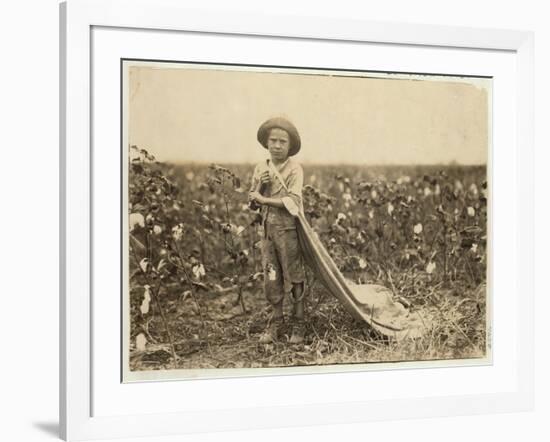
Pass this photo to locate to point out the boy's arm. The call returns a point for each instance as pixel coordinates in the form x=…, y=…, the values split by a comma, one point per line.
x=255, y=195
x=295, y=185
x=255, y=180
x=266, y=201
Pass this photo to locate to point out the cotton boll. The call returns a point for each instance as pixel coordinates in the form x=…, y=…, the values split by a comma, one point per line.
x=136, y=219
x=177, y=232
x=146, y=301
x=141, y=342
x=199, y=271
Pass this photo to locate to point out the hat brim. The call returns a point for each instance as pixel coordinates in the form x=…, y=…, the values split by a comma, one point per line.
x=280, y=123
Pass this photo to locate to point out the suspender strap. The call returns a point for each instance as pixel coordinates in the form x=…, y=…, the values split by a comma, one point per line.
x=289, y=203
x=277, y=174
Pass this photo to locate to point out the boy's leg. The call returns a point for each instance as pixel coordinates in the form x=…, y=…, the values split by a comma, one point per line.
x=278, y=310
x=273, y=289
x=298, y=326
x=292, y=265
x=298, y=300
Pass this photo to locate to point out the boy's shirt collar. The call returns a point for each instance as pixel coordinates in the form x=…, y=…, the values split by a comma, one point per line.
x=281, y=166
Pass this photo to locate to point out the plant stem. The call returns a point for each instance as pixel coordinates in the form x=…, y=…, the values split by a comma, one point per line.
x=445, y=257
x=163, y=316
x=190, y=283
x=240, y=299
x=227, y=215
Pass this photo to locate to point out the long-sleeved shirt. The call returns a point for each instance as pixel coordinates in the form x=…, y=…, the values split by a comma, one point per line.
x=293, y=176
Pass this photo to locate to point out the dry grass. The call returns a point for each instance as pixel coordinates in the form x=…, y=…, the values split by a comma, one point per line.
x=228, y=338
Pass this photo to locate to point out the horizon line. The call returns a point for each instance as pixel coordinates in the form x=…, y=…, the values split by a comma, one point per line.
x=307, y=163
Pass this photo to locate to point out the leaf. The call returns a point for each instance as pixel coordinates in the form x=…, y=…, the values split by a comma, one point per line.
x=161, y=264
x=430, y=267
x=143, y=265
x=201, y=286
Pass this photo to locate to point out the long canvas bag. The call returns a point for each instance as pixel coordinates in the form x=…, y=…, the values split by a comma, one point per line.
x=371, y=303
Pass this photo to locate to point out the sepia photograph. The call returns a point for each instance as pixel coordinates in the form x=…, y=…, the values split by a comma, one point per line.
x=280, y=220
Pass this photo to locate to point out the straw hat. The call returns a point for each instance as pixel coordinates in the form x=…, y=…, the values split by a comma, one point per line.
x=280, y=123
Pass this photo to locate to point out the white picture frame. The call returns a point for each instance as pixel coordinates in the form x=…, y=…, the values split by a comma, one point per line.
x=79, y=418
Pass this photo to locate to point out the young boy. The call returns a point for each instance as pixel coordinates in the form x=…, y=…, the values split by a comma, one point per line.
x=282, y=259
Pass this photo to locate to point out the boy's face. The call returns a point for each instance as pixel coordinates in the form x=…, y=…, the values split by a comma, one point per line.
x=278, y=144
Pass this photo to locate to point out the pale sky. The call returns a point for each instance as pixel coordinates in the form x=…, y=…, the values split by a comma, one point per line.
x=200, y=113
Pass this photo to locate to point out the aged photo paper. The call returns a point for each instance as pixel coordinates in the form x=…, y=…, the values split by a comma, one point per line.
x=282, y=220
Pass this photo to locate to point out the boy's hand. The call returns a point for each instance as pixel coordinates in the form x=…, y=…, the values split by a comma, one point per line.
x=264, y=177
x=256, y=196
